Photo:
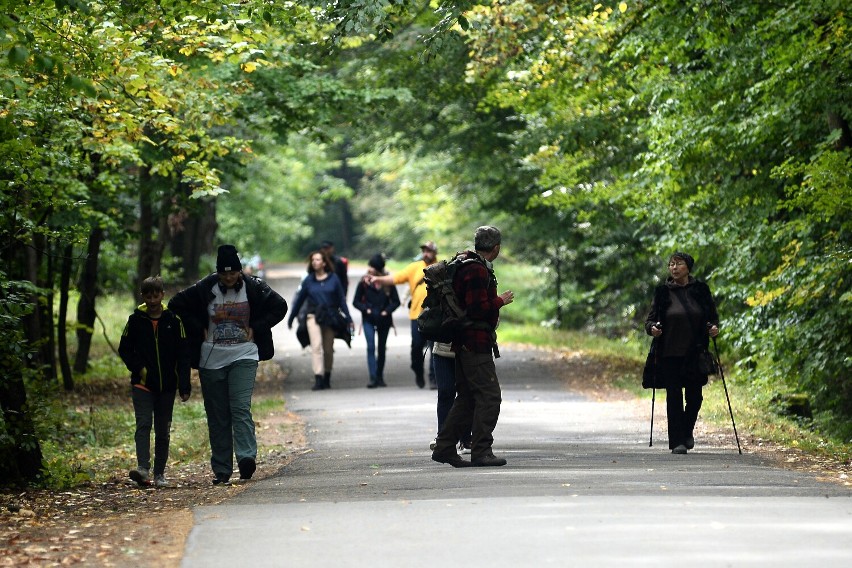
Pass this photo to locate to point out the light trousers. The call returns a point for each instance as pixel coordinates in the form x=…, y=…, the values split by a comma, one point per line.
x=322, y=346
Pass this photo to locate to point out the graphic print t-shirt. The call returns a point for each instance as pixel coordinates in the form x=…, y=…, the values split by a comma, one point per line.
x=227, y=335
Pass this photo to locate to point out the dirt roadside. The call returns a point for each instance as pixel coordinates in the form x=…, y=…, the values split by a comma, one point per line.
x=115, y=523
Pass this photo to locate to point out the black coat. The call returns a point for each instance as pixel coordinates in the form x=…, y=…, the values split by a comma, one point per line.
x=266, y=305
x=383, y=299
x=163, y=354
x=699, y=292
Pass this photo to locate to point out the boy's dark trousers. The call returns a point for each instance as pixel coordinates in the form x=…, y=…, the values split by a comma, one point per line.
x=153, y=409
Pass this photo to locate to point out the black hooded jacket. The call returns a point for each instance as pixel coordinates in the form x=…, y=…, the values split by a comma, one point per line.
x=157, y=359
x=377, y=300
x=699, y=292
x=266, y=305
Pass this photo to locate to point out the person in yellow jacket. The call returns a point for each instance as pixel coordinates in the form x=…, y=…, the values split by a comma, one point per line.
x=413, y=276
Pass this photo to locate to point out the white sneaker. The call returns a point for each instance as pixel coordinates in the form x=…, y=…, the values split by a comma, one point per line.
x=432, y=444
x=160, y=480
x=464, y=448
x=140, y=475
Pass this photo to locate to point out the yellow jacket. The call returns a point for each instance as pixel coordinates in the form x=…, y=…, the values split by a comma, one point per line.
x=413, y=275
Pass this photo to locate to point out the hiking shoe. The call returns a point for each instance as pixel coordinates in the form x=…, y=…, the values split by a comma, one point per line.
x=464, y=447
x=451, y=458
x=247, y=466
x=433, y=443
x=681, y=449
x=160, y=480
x=140, y=475
x=222, y=479
x=488, y=460
x=690, y=443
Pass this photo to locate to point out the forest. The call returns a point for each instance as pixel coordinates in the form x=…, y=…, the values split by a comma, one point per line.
x=136, y=136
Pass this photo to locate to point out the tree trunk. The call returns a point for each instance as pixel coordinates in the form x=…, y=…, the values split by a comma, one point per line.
x=20, y=451
x=194, y=238
x=86, y=313
x=835, y=122
x=47, y=347
x=26, y=463
x=62, y=326
x=352, y=177
x=33, y=322
x=151, y=246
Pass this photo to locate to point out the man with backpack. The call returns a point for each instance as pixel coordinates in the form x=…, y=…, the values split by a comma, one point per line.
x=475, y=346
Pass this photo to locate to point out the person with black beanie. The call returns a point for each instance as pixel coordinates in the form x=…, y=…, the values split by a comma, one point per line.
x=229, y=318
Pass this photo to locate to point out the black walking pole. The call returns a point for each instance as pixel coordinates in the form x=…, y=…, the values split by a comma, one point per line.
x=653, y=400
x=653, y=394
x=728, y=398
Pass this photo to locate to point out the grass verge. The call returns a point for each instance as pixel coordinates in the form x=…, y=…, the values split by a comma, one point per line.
x=87, y=435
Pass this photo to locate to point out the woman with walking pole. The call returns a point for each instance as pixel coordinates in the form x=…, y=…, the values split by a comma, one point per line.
x=682, y=319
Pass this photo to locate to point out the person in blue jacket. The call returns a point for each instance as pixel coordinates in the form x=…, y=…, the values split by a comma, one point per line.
x=154, y=349
x=320, y=304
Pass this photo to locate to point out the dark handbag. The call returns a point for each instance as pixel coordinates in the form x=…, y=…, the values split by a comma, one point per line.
x=707, y=363
x=649, y=372
x=327, y=316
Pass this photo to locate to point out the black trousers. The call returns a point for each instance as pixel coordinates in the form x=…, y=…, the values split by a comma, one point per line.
x=152, y=409
x=683, y=397
x=682, y=418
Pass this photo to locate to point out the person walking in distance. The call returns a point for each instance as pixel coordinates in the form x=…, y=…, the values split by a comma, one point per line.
x=477, y=404
x=413, y=276
x=340, y=265
x=325, y=315
x=229, y=318
x=376, y=302
x=154, y=348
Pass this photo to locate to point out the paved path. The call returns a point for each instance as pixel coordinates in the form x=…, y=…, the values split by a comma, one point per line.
x=582, y=487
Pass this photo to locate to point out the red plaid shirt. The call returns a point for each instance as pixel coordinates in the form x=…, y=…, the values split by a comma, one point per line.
x=477, y=293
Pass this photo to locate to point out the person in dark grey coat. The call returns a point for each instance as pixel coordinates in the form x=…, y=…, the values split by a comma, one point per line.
x=682, y=319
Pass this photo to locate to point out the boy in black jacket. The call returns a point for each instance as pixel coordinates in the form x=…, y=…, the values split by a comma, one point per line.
x=154, y=349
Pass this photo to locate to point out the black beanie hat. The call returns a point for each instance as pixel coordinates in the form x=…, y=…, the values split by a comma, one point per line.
x=377, y=261
x=686, y=258
x=227, y=259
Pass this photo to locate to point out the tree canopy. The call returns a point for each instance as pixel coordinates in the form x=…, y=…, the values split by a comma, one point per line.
x=601, y=137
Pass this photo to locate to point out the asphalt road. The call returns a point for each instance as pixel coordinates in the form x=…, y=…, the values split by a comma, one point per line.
x=582, y=487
